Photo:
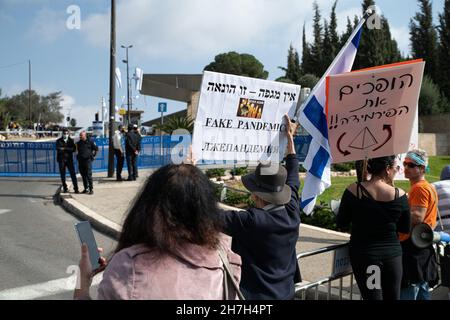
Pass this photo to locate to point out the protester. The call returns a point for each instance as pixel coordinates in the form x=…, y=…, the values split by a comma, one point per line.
x=443, y=191
x=419, y=265
x=170, y=244
x=138, y=134
x=65, y=147
x=86, y=152
x=265, y=236
x=376, y=211
x=119, y=152
x=131, y=149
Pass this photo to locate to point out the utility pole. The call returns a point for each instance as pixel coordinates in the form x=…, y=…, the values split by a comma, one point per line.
x=128, y=80
x=29, y=91
x=112, y=89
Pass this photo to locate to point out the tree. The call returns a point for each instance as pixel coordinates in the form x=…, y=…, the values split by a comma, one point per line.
x=347, y=33
x=424, y=38
x=44, y=109
x=317, y=66
x=333, y=34
x=430, y=98
x=327, y=55
x=376, y=46
x=238, y=64
x=175, y=123
x=293, y=71
x=5, y=117
x=307, y=65
x=73, y=122
x=308, y=81
x=444, y=50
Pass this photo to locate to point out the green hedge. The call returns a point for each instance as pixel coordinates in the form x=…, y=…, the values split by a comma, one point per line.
x=239, y=171
x=215, y=173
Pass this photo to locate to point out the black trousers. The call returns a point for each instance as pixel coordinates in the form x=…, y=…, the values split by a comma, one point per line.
x=85, y=167
x=62, y=171
x=390, y=277
x=132, y=166
x=119, y=158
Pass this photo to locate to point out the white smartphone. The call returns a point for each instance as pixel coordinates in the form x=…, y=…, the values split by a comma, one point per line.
x=85, y=234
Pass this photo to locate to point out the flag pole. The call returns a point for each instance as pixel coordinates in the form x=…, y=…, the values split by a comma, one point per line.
x=112, y=89
x=300, y=106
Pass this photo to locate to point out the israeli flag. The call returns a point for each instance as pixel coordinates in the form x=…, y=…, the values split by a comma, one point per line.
x=313, y=119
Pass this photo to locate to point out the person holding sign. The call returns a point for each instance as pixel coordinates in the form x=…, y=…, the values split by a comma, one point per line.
x=265, y=236
x=376, y=211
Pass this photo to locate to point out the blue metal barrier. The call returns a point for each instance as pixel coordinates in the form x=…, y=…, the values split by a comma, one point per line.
x=39, y=158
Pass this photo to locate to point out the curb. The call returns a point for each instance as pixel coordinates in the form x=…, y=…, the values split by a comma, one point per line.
x=98, y=221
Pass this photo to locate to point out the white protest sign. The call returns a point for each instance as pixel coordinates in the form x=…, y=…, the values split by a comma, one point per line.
x=371, y=112
x=241, y=118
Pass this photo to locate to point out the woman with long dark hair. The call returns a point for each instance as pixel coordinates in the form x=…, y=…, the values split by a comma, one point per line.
x=171, y=246
x=376, y=211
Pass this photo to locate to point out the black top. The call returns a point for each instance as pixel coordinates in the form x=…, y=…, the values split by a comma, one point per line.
x=65, y=150
x=132, y=142
x=87, y=150
x=374, y=224
x=265, y=240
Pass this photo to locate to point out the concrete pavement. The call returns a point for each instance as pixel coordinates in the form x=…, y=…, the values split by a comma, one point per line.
x=38, y=242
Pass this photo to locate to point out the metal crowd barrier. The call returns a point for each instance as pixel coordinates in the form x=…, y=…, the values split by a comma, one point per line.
x=34, y=158
x=301, y=290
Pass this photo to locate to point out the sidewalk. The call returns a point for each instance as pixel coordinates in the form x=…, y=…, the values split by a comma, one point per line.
x=107, y=208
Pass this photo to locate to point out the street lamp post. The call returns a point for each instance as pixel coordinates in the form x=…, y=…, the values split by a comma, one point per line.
x=128, y=80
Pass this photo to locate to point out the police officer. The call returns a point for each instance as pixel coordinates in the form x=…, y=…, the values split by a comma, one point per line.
x=87, y=150
x=132, y=146
x=65, y=147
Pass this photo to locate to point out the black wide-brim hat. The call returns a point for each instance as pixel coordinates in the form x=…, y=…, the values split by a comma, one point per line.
x=271, y=188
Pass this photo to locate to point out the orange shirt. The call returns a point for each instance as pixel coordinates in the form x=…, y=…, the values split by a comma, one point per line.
x=423, y=194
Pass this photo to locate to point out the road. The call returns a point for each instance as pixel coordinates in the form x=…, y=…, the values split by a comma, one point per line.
x=37, y=241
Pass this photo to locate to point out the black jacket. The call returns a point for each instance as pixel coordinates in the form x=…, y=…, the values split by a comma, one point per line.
x=132, y=142
x=266, y=242
x=87, y=150
x=64, y=151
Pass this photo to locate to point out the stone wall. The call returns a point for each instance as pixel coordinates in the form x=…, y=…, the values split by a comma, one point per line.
x=439, y=123
x=435, y=144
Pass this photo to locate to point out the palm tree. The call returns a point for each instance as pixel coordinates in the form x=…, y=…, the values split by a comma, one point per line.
x=177, y=123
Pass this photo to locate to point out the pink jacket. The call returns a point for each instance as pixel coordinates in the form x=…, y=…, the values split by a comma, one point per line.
x=194, y=272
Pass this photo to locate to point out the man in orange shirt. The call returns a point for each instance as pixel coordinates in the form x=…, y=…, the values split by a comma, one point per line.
x=419, y=265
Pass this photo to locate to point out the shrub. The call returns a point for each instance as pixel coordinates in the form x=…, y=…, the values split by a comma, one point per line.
x=343, y=167
x=215, y=173
x=239, y=171
x=322, y=217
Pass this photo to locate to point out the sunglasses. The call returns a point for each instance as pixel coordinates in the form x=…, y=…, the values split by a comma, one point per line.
x=410, y=165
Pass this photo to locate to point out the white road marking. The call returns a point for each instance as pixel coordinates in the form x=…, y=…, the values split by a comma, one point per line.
x=2, y=211
x=44, y=289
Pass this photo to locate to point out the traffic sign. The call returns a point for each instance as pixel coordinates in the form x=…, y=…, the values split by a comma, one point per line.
x=122, y=112
x=162, y=107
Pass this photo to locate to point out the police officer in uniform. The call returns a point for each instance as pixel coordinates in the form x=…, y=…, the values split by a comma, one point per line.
x=87, y=150
x=65, y=147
